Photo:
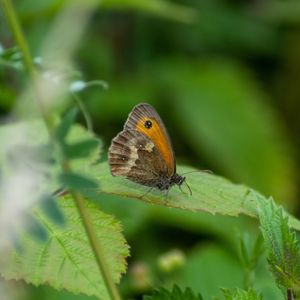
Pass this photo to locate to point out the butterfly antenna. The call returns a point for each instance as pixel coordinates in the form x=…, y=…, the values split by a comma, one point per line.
x=198, y=171
x=189, y=188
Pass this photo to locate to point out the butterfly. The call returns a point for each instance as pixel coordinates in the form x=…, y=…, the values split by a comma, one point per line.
x=143, y=151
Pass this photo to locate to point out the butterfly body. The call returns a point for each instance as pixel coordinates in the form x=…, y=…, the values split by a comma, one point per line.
x=142, y=152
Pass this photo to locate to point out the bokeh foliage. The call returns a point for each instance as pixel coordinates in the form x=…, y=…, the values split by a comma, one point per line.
x=224, y=75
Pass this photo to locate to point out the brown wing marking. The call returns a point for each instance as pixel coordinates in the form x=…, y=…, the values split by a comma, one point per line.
x=133, y=155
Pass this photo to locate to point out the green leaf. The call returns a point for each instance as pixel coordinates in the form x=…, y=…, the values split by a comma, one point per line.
x=281, y=12
x=65, y=260
x=65, y=125
x=239, y=294
x=50, y=208
x=175, y=294
x=36, y=229
x=200, y=273
x=11, y=57
x=281, y=243
x=232, y=125
x=82, y=149
x=77, y=182
x=210, y=193
x=162, y=8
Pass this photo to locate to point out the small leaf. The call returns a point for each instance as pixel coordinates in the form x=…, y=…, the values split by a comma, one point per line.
x=77, y=85
x=82, y=149
x=50, y=208
x=239, y=294
x=77, y=182
x=162, y=8
x=281, y=243
x=36, y=229
x=65, y=260
x=65, y=125
x=175, y=294
x=250, y=251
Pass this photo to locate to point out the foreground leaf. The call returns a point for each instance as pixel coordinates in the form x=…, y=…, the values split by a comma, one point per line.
x=282, y=245
x=65, y=259
x=210, y=193
x=175, y=294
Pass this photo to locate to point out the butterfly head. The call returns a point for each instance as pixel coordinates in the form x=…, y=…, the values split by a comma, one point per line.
x=167, y=182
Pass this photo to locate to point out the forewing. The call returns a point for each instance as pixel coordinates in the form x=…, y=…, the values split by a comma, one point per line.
x=135, y=156
x=157, y=133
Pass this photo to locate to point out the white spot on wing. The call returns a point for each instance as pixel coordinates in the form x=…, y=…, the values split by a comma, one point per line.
x=149, y=147
x=133, y=157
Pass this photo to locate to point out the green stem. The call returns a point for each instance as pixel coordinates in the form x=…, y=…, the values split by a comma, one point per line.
x=27, y=58
x=111, y=287
x=88, y=120
x=18, y=34
x=290, y=295
x=78, y=199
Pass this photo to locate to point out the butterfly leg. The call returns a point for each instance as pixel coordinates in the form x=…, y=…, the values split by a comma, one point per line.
x=190, y=190
x=167, y=194
x=149, y=190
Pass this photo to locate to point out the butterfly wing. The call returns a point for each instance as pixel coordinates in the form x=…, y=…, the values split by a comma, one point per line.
x=135, y=156
x=146, y=120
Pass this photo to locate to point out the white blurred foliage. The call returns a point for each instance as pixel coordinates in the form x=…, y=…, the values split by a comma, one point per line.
x=56, y=59
x=77, y=86
x=38, y=60
x=18, y=193
x=19, y=188
x=20, y=183
x=12, y=290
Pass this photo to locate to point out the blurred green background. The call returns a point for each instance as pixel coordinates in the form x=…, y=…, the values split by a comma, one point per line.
x=224, y=76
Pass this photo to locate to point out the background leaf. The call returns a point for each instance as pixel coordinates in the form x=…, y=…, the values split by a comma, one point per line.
x=232, y=125
x=162, y=8
x=65, y=125
x=199, y=273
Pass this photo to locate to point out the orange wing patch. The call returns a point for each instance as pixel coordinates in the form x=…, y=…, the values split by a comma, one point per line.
x=159, y=138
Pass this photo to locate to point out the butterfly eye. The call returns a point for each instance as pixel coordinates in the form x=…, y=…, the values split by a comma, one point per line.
x=148, y=124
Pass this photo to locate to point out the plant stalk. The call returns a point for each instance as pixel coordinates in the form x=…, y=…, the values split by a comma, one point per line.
x=27, y=58
x=290, y=295
x=78, y=199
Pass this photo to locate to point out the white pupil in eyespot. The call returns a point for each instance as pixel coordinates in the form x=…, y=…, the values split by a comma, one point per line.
x=148, y=124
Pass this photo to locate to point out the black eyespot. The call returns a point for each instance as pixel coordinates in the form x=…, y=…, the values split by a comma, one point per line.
x=148, y=124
